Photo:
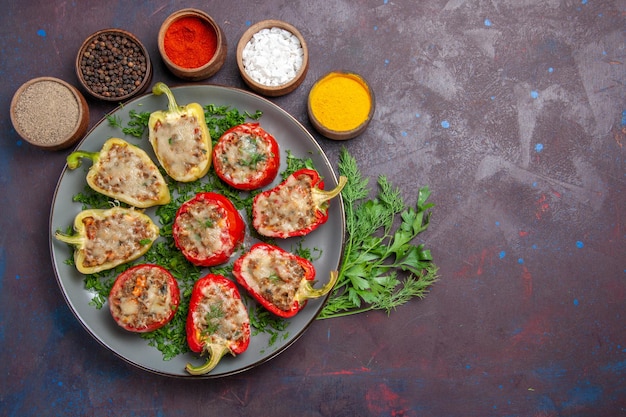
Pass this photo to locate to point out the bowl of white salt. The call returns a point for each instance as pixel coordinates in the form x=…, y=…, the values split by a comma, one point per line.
x=273, y=57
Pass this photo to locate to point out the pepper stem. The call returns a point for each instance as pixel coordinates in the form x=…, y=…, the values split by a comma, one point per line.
x=160, y=88
x=74, y=240
x=307, y=291
x=321, y=196
x=216, y=352
x=74, y=159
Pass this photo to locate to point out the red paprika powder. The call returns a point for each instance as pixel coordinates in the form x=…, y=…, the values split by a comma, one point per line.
x=190, y=42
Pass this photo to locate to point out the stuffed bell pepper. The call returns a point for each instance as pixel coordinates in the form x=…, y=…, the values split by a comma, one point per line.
x=144, y=298
x=180, y=138
x=217, y=321
x=107, y=238
x=280, y=281
x=124, y=172
x=208, y=229
x=295, y=207
x=246, y=157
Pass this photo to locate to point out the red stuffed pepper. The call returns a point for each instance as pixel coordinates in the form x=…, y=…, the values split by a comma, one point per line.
x=279, y=280
x=246, y=157
x=207, y=229
x=217, y=322
x=295, y=207
x=144, y=298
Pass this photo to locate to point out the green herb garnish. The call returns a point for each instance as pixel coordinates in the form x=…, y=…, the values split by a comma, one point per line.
x=294, y=163
x=375, y=255
x=212, y=319
x=114, y=120
x=91, y=199
x=137, y=123
x=254, y=160
x=262, y=321
x=221, y=118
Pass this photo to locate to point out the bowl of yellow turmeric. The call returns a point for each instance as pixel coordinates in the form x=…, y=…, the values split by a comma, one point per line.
x=341, y=105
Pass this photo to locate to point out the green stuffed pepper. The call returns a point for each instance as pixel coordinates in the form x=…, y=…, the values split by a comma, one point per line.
x=180, y=138
x=124, y=172
x=107, y=238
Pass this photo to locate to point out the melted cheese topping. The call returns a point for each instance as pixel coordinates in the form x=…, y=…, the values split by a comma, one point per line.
x=288, y=208
x=179, y=144
x=220, y=316
x=204, y=230
x=114, y=238
x=275, y=275
x=123, y=173
x=143, y=299
x=243, y=157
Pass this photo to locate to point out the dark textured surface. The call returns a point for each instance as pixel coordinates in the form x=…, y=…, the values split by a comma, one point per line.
x=512, y=112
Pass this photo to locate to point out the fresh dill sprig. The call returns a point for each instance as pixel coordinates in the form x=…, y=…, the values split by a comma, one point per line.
x=114, y=120
x=382, y=268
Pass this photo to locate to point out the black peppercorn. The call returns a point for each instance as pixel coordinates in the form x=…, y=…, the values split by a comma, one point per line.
x=107, y=63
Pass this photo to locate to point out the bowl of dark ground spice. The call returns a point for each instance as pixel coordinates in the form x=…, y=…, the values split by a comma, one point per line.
x=113, y=65
x=192, y=45
x=49, y=113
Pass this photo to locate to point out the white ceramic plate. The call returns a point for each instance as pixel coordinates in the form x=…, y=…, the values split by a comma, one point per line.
x=291, y=135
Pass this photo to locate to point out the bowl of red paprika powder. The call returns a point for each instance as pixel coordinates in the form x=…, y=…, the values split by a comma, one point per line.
x=192, y=44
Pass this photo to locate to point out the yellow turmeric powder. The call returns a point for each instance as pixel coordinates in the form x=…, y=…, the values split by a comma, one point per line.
x=340, y=101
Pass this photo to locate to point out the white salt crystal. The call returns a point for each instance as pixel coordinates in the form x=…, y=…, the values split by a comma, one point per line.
x=273, y=56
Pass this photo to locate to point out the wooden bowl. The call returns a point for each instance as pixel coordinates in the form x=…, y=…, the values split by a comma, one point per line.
x=329, y=102
x=193, y=48
x=256, y=85
x=49, y=113
x=124, y=72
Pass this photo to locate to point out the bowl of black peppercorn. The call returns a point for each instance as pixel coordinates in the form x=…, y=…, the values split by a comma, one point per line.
x=113, y=65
